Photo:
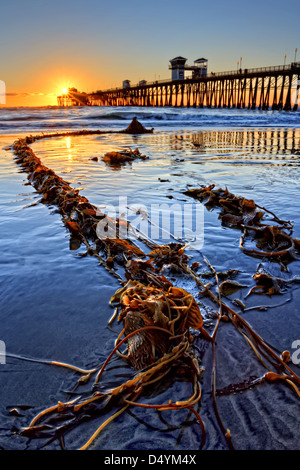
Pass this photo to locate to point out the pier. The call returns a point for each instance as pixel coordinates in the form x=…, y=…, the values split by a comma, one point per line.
x=264, y=88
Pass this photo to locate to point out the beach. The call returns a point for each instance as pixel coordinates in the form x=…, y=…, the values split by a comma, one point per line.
x=54, y=304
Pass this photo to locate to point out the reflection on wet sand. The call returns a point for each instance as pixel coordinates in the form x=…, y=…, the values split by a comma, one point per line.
x=267, y=142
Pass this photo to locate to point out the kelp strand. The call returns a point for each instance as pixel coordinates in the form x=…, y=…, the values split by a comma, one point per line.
x=174, y=310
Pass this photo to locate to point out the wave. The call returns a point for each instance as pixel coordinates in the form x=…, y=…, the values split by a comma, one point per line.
x=123, y=116
x=129, y=116
x=35, y=119
x=187, y=116
x=23, y=118
x=46, y=125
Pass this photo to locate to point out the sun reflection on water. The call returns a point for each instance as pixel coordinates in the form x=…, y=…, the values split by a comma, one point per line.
x=69, y=146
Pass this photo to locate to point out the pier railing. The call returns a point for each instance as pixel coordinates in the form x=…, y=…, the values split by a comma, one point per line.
x=212, y=75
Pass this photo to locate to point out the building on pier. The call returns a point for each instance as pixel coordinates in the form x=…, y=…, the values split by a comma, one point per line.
x=199, y=69
x=126, y=83
x=179, y=66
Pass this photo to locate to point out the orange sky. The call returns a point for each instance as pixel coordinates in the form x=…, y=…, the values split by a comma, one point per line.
x=42, y=89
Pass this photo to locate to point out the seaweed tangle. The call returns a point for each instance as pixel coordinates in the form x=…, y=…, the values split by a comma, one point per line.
x=117, y=159
x=273, y=241
x=159, y=319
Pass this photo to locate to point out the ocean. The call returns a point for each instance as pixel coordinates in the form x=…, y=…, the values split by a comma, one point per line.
x=16, y=120
x=54, y=303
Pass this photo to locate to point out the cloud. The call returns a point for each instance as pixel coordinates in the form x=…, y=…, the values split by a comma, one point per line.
x=25, y=94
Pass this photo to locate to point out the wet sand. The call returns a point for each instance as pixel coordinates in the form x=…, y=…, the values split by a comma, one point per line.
x=55, y=305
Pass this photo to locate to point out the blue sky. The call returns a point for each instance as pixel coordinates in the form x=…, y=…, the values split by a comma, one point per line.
x=96, y=44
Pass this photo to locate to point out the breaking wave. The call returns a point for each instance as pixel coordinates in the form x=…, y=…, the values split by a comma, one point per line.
x=22, y=119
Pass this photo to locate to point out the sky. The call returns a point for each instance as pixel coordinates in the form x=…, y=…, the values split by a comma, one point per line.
x=46, y=46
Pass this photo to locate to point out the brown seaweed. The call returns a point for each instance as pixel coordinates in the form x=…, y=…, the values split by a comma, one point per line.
x=229, y=287
x=159, y=319
x=268, y=284
x=120, y=157
x=273, y=242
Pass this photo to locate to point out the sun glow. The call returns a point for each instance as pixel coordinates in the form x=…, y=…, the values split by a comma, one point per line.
x=63, y=90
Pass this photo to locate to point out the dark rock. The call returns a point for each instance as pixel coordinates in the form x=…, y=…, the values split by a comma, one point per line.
x=135, y=127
